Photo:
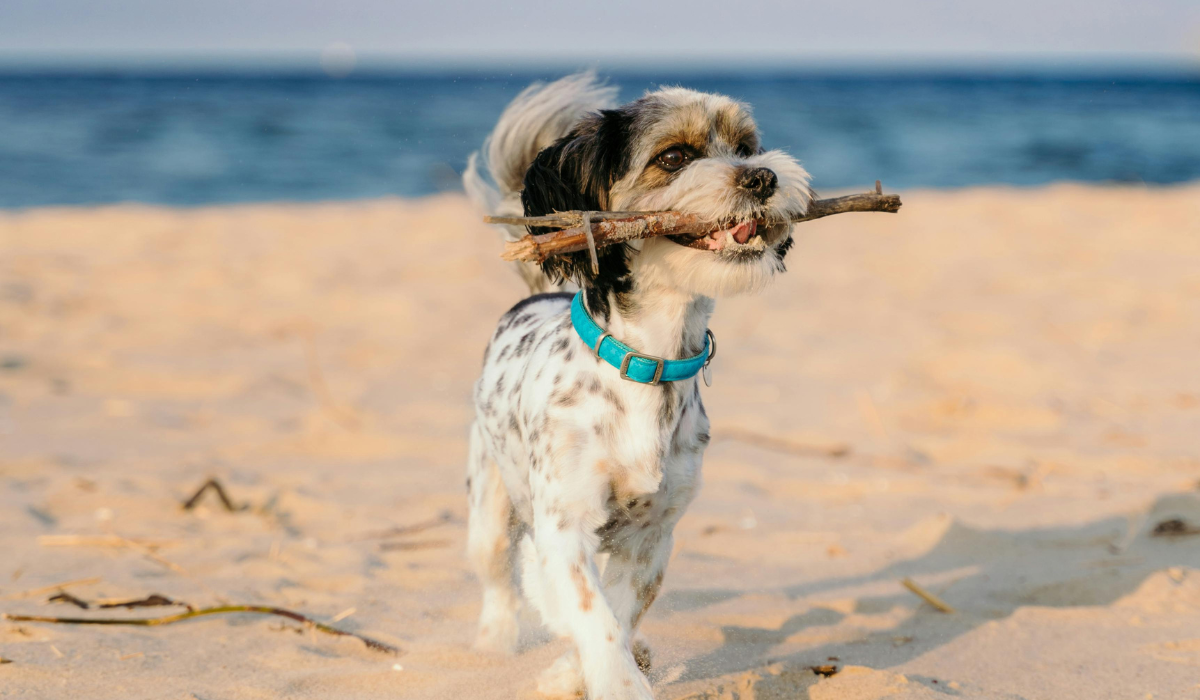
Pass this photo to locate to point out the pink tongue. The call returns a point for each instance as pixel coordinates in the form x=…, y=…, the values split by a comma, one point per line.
x=742, y=232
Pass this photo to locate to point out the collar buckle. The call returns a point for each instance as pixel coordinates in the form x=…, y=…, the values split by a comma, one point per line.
x=658, y=369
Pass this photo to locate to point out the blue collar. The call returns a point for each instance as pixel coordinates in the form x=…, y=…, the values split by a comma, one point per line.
x=634, y=366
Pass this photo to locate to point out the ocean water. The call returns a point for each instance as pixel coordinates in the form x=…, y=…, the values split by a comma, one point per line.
x=209, y=138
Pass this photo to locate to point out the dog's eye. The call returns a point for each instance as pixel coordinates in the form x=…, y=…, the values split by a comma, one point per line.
x=672, y=159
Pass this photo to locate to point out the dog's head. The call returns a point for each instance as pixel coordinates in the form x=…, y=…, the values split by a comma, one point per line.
x=679, y=150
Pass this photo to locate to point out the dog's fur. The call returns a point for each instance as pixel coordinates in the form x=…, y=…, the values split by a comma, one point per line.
x=582, y=472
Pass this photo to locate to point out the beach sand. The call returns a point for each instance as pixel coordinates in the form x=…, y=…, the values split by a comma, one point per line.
x=994, y=393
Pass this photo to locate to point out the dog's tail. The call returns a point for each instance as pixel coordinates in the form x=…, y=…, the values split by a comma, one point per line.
x=536, y=118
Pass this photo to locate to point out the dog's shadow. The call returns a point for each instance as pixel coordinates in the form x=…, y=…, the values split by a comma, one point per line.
x=1093, y=564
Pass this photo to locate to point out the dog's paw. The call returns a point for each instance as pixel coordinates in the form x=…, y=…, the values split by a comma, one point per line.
x=563, y=679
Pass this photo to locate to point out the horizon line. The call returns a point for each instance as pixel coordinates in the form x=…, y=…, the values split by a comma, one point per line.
x=493, y=62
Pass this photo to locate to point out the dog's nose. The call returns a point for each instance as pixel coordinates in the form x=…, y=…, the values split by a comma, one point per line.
x=759, y=182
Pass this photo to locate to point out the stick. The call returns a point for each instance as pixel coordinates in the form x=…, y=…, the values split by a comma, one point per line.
x=411, y=546
x=607, y=228
x=780, y=444
x=936, y=602
x=217, y=488
x=223, y=609
x=100, y=541
x=443, y=518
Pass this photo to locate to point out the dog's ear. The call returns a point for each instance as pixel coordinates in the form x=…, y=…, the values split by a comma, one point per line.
x=576, y=173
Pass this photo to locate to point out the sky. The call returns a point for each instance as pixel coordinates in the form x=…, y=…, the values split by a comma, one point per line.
x=615, y=31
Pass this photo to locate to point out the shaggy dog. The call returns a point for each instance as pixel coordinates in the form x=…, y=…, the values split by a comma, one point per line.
x=577, y=476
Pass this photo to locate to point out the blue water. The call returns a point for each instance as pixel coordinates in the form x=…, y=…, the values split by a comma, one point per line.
x=195, y=139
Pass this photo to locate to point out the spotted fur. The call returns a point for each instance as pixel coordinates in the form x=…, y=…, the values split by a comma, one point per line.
x=576, y=478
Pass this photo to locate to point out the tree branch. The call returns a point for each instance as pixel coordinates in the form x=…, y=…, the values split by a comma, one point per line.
x=608, y=228
x=223, y=609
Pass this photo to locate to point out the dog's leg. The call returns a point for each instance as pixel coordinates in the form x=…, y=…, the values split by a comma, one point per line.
x=631, y=581
x=566, y=548
x=490, y=549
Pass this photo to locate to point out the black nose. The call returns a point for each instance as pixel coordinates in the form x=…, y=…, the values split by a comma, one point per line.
x=759, y=182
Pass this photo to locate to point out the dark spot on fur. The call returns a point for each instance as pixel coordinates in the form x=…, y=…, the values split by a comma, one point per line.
x=611, y=397
x=524, y=344
x=575, y=173
x=784, y=247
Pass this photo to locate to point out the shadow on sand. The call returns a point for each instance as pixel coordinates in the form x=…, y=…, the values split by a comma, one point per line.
x=1093, y=564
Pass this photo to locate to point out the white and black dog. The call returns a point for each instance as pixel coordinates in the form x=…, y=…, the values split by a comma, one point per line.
x=574, y=471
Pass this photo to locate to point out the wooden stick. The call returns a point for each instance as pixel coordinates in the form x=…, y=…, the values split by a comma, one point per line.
x=781, y=444
x=155, y=621
x=936, y=602
x=101, y=541
x=215, y=486
x=608, y=228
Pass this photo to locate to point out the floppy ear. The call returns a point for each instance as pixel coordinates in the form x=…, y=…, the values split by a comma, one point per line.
x=576, y=173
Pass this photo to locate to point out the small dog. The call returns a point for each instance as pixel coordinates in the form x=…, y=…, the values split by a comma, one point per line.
x=574, y=471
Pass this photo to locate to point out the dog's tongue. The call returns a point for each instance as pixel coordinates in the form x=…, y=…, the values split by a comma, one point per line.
x=742, y=232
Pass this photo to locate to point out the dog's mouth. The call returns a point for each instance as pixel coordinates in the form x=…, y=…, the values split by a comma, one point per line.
x=742, y=237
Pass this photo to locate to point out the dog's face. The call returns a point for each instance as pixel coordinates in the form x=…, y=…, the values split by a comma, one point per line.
x=679, y=150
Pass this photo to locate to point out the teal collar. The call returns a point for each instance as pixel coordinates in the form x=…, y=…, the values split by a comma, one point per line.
x=633, y=365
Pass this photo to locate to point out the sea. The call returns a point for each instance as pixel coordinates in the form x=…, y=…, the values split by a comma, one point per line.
x=180, y=138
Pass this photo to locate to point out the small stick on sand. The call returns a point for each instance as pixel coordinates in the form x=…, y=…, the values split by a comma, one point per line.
x=64, y=597
x=101, y=541
x=216, y=487
x=936, y=602
x=780, y=444
x=607, y=228
x=224, y=609
x=412, y=546
x=399, y=531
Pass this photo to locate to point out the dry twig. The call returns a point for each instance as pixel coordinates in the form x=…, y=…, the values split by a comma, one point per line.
x=412, y=546
x=219, y=610
x=216, y=487
x=101, y=541
x=936, y=602
x=401, y=530
x=64, y=597
x=781, y=444
x=151, y=601
x=607, y=228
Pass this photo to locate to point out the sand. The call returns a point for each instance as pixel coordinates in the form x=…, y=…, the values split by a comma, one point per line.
x=994, y=393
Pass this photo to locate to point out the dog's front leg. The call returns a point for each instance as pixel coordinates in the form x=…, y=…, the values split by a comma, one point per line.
x=566, y=549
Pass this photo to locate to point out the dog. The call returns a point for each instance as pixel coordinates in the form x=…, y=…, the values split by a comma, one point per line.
x=580, y=467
